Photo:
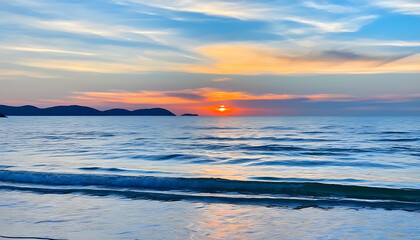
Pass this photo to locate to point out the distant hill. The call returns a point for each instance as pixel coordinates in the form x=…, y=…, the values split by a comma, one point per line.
x=189, y=115
x=75, y=110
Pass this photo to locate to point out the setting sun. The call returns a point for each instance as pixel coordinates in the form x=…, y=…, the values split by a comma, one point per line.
x=219, y=110
x=222, y=108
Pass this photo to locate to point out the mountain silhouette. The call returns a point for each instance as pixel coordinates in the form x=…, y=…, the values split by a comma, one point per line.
x=117, y=112
x=75, y=110
x=189, y=115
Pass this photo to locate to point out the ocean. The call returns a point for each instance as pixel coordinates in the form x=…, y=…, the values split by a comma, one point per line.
x=210, y=177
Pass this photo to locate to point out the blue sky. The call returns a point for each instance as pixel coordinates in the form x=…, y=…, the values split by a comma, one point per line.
x=349, y=57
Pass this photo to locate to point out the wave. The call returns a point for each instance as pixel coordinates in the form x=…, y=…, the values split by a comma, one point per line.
x=303, y=150
x=318, y=132
x=307, y=179
x=318, y=163
x=164, y=157
x=240, y=160
x=386, y=133
x=102, y=169
x=237, y=200
x=298, y=149
x=76, y=135
x=398, y=140
x=275, y=139
x=270, y=147
x=394, y=132
x=214, y=185
x=283, y=148
x=174, y=156
x=213, y=128
x=278, y=128
x=89, y=133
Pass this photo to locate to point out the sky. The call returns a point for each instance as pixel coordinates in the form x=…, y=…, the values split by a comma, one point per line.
x=274, y=57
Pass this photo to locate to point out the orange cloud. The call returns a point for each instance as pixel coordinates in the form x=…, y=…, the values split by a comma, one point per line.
x=242, y=59
x=207, y=101
x=144, y=97
x=194, y=96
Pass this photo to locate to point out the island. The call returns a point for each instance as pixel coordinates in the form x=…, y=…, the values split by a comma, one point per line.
x=2, y=115
x=76, y=110
x=189, y=115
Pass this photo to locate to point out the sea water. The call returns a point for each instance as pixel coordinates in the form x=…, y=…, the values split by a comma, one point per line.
x=210, y=177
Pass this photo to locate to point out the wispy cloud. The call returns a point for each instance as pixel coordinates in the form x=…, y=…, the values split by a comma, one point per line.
x=222, y=79
x=41, y=49
x=188, y=54
x=205, y=100
x=273, y=13
x=84, y=27
x=143, y=97
x=233, y=9
x=411, y=7
x=371, y=42
x=344, y=25
x=200, y=95
x=239, y=59
x=30, y=74
x=185, y=95
x=143, y=65
x=334, y=8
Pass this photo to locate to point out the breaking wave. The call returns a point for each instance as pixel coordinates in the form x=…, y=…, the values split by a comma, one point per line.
x=281, y=193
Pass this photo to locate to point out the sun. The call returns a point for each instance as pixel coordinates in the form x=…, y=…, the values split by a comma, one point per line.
x=222, y=108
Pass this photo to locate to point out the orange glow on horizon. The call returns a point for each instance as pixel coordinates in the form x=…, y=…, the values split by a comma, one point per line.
x=222, y=108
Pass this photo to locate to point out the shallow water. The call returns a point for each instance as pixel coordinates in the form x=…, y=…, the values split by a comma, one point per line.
x=87, y=217
x=251, y=171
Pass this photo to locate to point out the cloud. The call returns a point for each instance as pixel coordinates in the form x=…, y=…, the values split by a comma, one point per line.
x=204, y=100
x=200, y=95
x=143, y=97
x=84, y=27
x=7, y=73
x=397, y=44
x=274, y=13
x=209, y=95
x=42, y=49
x=182, y=95
x=135, y=65
x=397, y=98
x=222, y=79
x=343, y=25
x=333, y=8
x=377, y=43
x=105, y=46
x=243, y=59
x=233, y=9
x=83, y=66
x=89, y=27
x=410, y=7
x=302, y=107
x=343, y=55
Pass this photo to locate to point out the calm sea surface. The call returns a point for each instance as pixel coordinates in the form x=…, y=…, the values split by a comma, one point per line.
x=210, y=177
